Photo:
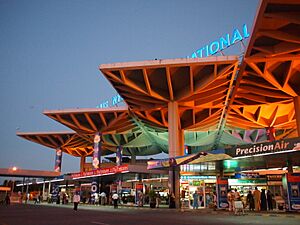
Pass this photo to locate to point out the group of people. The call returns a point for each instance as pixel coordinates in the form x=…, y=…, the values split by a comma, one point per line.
x=210, y=200
x=96, y=198
x=256, y=200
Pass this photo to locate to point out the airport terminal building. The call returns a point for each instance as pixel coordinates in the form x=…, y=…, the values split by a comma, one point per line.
x=224, y=122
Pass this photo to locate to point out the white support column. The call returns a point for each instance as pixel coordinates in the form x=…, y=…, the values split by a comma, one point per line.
x=49, y=189
x=43, y=191
x=176, y=148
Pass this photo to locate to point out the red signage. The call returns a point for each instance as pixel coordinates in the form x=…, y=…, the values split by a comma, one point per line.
x=102, y=171
x=293, y=178
x=222, y=181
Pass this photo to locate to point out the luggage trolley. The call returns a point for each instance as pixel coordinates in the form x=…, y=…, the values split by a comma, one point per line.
x=238, y=208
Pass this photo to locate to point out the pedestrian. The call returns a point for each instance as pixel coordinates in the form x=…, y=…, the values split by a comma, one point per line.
x=172, y=204
x=157, y=200
x=263, y=200
x=256, y=195
x=7, y=199
x=230, y=200
x=195, y=200
x=96, y=196
x=250, y=201
x=76, y=200
x=237, y=196
x=103, y=198
x=115, y=198
x=270, y=200
x=215, y=206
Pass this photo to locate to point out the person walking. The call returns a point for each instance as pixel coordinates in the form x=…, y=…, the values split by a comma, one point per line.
x=250, y=201
x=263, y=200
x=256, y=195
x=102, y=198
x=195, y=200
x=115, y=198
x=270, y=200
x=157, y=201
x=230, y=200
x=76, y=200
x=7, y=199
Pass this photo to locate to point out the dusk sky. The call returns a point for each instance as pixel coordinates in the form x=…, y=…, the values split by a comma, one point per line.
x=50, y=52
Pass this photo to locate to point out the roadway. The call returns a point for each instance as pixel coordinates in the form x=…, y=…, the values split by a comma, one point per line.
x=44, y=214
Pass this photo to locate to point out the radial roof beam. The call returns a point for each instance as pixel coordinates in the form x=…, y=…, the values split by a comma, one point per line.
x=90, y=121
x=269, y=74
x=67, y=141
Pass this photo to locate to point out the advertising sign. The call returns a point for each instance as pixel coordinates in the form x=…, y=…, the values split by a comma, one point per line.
x=292, y=144
x=102, y=171
x=292, y=183
x=222, y=189
x=95, y=186
x=58, y=159
x=138, y=193
x=97, y=151
x=119, y=154
x=55, y=193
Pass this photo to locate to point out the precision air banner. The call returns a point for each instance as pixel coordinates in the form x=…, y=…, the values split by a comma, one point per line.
x=292, y=144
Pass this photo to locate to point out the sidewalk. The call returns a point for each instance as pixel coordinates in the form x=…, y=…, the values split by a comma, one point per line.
x=166, y=208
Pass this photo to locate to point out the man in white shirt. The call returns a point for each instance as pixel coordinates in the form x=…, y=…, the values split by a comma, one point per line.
x=115, y=198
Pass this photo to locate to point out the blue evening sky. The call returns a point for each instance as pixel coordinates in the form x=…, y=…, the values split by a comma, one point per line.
x=50, y=52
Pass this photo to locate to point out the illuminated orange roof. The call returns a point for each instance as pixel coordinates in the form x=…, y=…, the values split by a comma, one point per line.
x=201, y=87
x=269, y=76
x=69, y=142
x=220, y=102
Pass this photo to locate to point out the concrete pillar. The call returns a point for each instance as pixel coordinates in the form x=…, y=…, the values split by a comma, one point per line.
x=43, y=191
x=297, y=112
x=23, y=185
x=289, y=165
x=176, y=138
x=133, y=159
x=82, y=163
x=176, y=148
x=27, y=187
x=58, y=160
x=221, y=169
x=49, y=188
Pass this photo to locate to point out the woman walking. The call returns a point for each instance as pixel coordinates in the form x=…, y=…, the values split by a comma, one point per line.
x=76, y=200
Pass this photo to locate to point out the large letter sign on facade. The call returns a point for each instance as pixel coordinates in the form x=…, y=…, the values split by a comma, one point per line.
x=222, y=43
x=287, y=145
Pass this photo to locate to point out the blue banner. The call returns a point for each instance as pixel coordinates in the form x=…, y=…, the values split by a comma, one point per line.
x=119, y=154
x=97, y=151
x=58, y=159
x=292, y=183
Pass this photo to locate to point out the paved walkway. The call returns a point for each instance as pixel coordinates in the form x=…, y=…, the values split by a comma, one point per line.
x=274, y=213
